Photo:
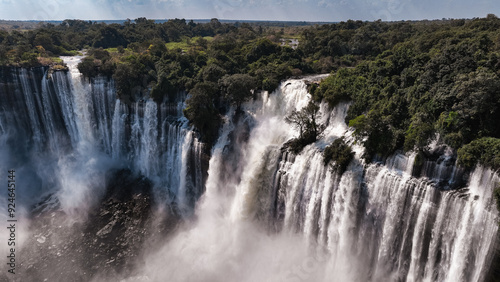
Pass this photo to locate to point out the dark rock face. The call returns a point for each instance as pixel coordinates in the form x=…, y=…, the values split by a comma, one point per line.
x=39, y=111
x=30, y=110
x=493, y=274
x=233, y=151
x=106, y=246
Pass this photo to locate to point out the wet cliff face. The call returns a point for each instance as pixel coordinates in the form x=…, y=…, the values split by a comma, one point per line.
x=66, y=138
x=110, y=190
x=24, y=113
x=61, y=121
x=107, y=245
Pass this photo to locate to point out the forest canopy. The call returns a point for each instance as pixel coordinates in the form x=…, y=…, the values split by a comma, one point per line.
x=442, y=78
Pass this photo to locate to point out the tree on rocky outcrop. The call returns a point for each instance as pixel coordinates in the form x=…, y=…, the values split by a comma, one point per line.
x=306, y=121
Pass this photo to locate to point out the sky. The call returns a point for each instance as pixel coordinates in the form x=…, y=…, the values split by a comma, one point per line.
x=282, y=10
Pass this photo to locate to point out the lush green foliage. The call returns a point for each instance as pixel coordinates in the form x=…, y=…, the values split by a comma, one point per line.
x=98, y=61
x=201, y=110
x=485, y=151
x=413, y=80
x=375, y=131
x=237, y=88
x=340, y=153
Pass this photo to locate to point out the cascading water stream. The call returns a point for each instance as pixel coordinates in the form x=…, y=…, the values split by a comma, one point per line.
x=268, y=214
x=150, y=138
x=77, y=130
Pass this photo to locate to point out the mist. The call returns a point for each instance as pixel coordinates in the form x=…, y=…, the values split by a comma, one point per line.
x=224, y=242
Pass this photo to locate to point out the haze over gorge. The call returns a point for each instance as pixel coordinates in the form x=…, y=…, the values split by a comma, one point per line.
x=184, y=151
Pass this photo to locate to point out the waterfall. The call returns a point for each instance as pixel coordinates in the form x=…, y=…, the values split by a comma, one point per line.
x=270, y=215
x=151, y=139
x=70, y=130
x=262, y=213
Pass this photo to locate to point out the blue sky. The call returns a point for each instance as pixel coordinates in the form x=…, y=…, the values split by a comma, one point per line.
x=299, y=10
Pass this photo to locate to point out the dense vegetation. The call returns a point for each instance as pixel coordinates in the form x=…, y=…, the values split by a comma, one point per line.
x=340, y=153
x=407, y=81
x=439, y=78
x=484, y=150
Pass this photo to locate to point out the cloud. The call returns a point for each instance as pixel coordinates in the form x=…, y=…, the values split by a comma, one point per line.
x=177, y=2
x=311, y=10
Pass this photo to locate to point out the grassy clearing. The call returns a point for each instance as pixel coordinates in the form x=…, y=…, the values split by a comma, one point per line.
x=186, y=43
x=112, y=50
x=56, y=60
x=178, y=45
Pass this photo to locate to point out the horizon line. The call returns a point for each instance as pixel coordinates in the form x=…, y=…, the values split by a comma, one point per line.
x=242, y=20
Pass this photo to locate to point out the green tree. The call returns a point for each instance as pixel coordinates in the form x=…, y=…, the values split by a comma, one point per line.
x=340, y=153
x=44, y=40
x=376, y=133
x=237, y=88
x=485, y=151
x=201, y=112
x=212, y=73
x=419, y=134
x=109, y=36
x=88, y=67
